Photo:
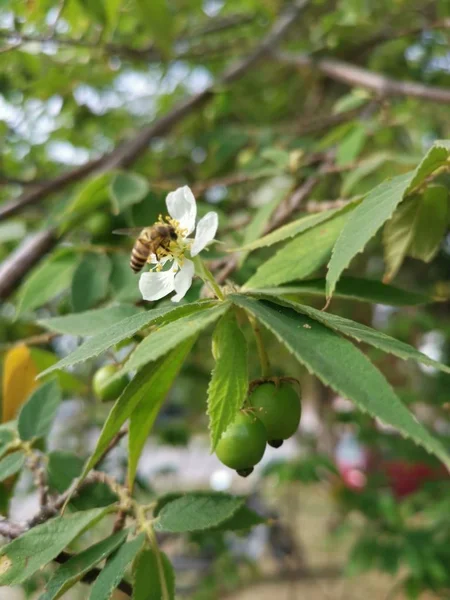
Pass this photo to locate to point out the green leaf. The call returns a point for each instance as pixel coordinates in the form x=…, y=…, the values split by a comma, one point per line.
x=90, y=281
x=229, y=381
x=90, y=322
x=38, y=413
x=146, y=576
x=365, y=334
x=292, y=229
x=124, y=283
x=63, y=468
x=352, y=288
x=398, y=235
x=431, y=223
x=339, y=364
x=300, y=257
x=10, y=465
x=125, y=329
x=92, y=195
x=127, y=189
x=76, y=567
x=158, y=20
x=196, y=512
x=6, y=437
x=376, y=208
x=115, y=569
x=351, y=146
x=153, y=392
x=416, y=229
x=25, y=555
x=268, y=197
x=47, y=281
x=160, y=341
x=436, y=157
x=243, y=518
x=43, y=359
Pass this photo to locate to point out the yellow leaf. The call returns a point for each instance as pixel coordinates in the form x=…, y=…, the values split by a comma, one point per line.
x=19, y=374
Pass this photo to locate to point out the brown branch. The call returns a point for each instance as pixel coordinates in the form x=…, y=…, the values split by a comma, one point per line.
x=14, y=268
x=356, y=76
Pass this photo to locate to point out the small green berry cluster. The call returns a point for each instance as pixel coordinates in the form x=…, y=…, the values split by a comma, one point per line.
x=271, y=415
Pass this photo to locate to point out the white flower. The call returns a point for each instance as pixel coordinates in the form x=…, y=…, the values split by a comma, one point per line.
x=182, y=209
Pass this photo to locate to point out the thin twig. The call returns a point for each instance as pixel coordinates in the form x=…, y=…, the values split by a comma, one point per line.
x=356, y=76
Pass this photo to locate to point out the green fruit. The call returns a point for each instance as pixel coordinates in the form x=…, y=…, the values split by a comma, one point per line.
x=105, y=388
x=243, y=443
x=278, y=408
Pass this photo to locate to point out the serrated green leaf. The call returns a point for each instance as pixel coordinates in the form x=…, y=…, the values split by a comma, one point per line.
x=196, y=512
x=416, y=229
x=147, y=579
x=115, y=569
x=365, y=334
x=292, y=229
x=351, y=288
x=431, y=223
x=243, y=518
x=76, y=567
x=90, y=281
x=160, y=341
x=47, y=280
x=268, y=197
x=90, y=322
x=339, y=364
x=127, y=189
x=398, y=235
x=43, y=359
x=25, y=555
x=376, y=208
x=10, y=465
x=125, y=329
x=300, y=257
x=38, y=413
x=153, y=393
x=229, y=380
x=435, y=158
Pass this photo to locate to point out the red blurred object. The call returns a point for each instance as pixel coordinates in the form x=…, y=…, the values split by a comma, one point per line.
x=403, y=478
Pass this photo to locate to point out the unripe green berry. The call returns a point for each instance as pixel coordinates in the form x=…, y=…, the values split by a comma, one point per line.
x=243, y=443
x=105, y=388
x=279, y=408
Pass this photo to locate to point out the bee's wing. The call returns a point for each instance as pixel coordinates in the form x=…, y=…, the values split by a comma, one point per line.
x=131, y=231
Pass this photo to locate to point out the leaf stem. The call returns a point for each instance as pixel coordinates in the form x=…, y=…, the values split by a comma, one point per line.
x=262, y=354
x=204, y=273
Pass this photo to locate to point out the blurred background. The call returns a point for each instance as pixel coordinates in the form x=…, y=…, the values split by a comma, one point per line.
x=354, y=509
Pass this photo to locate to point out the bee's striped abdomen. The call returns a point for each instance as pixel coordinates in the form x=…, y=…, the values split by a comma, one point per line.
x=139, y=256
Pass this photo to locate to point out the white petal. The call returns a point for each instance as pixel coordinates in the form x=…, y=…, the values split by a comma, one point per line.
x=183, y=280
x=205, y=232
x=182, y=207
x=154, y=285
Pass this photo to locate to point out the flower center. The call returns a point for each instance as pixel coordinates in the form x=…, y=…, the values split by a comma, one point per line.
x=173, y=248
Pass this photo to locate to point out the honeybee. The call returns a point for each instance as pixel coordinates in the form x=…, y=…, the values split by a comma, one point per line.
x=149, y=241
